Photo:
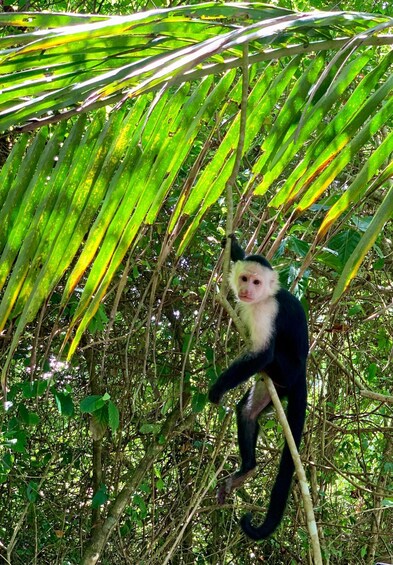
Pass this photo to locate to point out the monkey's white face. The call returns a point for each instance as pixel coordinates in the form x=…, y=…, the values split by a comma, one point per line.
x=251, y=282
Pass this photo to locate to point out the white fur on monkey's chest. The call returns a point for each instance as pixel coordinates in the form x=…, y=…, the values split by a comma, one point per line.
x=259, y=319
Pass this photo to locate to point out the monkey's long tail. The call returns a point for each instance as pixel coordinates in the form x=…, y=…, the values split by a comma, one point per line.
x=296, y=412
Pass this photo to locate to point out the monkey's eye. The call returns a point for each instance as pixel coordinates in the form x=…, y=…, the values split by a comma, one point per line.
x=243, y=278
x=257, y=282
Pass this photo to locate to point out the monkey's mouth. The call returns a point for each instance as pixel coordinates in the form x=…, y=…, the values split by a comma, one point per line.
x=245, y=298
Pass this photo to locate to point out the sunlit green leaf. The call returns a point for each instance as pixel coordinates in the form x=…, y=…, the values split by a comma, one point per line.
x=92, y=403
x=100, y=497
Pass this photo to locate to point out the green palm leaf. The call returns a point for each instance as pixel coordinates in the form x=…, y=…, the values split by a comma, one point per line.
x=74, y=197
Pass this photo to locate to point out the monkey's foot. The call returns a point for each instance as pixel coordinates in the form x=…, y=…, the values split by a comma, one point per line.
x=232, y=482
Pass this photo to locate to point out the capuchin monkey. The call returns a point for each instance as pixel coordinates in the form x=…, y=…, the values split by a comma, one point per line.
x=277, y=326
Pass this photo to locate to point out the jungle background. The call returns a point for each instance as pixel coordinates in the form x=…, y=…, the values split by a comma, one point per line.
x=111, y=227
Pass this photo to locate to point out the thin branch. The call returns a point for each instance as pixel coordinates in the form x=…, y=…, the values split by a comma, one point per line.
x=376, y=396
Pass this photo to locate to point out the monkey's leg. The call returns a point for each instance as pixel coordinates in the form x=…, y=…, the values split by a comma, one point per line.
x=247, y=411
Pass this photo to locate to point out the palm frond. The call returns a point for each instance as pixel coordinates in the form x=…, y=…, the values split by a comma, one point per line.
x=74, y=197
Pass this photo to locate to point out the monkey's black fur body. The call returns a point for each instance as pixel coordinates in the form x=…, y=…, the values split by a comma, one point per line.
x=283, y=359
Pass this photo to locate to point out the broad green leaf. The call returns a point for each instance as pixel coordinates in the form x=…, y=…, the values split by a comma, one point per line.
x=198, y=402
x=340, y=247
x=149, y=428
x=91, y=403
x=32, y=491
x=34, y=389
x=113, y=416
x=100, y=497
x=64, y=403
x=16, y=441
x=27, y=417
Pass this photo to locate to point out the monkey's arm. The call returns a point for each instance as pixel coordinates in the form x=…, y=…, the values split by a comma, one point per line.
x=239, y=371
x=237, y=253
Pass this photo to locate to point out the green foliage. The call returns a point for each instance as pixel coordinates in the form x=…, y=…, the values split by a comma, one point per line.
x=64, y=402
x=110, y=246
x=100, y=497
x=113, y=172
x=103, y=409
